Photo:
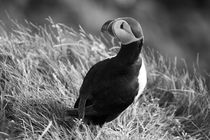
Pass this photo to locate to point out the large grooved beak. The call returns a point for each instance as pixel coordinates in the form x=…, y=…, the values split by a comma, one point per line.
x=107, y=27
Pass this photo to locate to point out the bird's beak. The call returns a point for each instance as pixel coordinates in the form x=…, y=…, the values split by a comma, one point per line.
x=107, y=27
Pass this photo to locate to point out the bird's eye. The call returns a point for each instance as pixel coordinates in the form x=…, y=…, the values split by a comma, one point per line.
x=121, y=26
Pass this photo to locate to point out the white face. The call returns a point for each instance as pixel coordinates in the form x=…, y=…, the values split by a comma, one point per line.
x=123, y=32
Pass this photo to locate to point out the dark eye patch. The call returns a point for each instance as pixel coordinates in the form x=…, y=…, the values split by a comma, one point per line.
x=121, y=26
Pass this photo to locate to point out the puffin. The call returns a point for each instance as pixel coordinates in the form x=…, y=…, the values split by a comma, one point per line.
x=112, y=85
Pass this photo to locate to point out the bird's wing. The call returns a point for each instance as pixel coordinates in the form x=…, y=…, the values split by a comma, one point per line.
x=93, y=73
x=88, y=85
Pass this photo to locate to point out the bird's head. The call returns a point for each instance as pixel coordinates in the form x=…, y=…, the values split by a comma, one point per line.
x=127, y=30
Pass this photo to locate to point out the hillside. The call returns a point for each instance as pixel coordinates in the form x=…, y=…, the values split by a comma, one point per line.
x=41, y=72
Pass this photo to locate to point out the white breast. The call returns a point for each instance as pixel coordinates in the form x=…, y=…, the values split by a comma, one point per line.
x=142, y=78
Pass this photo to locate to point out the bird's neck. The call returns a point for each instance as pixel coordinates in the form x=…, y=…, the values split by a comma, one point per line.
x=129, y=53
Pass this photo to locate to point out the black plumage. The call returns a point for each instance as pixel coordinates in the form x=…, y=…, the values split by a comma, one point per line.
x=111, y=85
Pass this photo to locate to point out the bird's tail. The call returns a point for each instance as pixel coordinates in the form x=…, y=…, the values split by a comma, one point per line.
x=72, y=112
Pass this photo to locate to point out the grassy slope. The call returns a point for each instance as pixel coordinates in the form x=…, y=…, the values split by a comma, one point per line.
x=41, y=72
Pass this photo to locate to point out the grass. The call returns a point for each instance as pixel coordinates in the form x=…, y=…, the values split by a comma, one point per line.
x=41, y=72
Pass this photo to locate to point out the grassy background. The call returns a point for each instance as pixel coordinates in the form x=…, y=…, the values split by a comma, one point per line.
x=42, y=69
